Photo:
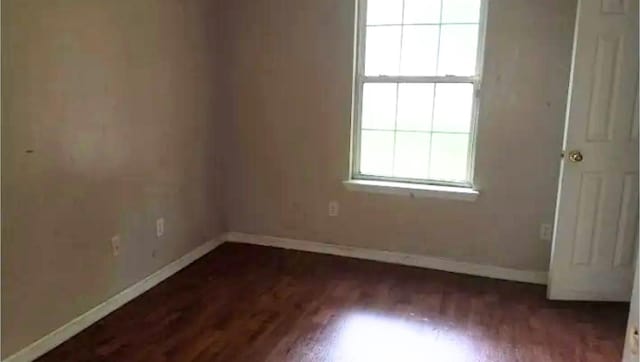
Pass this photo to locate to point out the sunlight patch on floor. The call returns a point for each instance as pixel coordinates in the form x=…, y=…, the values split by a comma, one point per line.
x=369, y=338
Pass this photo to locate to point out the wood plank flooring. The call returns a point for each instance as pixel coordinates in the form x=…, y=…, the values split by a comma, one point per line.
x=251, y=303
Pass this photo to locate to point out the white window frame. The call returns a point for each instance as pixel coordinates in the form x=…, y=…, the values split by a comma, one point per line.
x=360, y=79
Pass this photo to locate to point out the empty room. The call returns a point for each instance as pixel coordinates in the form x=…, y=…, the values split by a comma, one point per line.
x=319, y=180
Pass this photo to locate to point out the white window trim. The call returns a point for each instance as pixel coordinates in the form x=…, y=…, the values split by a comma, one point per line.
x=413, y=190
x=360, y=78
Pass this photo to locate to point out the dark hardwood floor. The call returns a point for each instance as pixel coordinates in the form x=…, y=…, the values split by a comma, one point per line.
x=251, y=303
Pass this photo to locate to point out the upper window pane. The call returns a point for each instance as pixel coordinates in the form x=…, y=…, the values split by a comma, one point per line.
x=383, y=50
x=384, y=12
x=458, y=46
x=419, y=46
x=460, y=11
x=422, y=11
x=421, y=37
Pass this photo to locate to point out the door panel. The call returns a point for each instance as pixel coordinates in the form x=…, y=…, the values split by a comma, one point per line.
x=627, y=231
x=589, y=212
x=606, y=75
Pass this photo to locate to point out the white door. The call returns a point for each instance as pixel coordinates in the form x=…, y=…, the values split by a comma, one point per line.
x=592, y=256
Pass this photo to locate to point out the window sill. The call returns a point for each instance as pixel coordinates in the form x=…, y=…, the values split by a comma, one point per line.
x=412, y=190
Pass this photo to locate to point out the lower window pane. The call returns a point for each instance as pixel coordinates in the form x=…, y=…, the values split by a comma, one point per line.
x=376, y=153
x=412, y=155
x=379, y=105
x=415, y=104
x=452, y=109
x=449, y=157
x=417, y=138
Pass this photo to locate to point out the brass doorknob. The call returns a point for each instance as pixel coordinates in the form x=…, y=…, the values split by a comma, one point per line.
x=575, y=156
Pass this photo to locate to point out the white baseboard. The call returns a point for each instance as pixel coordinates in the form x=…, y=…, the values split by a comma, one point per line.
x=581, y=295
x=423, y=261
x=53, y=339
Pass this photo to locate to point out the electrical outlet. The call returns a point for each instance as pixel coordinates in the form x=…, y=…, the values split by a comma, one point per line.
x=115, y=245
x=160, y=227
x=334, y=208
x=546, y=232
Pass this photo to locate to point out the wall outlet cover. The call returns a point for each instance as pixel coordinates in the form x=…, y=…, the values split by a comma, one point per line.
x=115, y=245
x=546, y=232
x=160, y=227
x=334, y=208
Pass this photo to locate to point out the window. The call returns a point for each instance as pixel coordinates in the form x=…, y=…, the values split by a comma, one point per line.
x=417, y=80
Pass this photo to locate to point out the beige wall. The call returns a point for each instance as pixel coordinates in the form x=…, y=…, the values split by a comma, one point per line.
x=289, y=74
x=117, y=101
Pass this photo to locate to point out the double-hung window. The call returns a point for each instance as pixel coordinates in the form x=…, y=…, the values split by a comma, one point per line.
x=417, y=82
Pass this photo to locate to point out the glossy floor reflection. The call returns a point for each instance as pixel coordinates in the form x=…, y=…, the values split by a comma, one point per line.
x=250, y=304
x=366, y=337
